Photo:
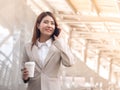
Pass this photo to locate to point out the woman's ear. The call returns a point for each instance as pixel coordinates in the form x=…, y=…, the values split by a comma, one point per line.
x=38, y=25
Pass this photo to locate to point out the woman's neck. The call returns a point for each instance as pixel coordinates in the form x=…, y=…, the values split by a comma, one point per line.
x=43, y=39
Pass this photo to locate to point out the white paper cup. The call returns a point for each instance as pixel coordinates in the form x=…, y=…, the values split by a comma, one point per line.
x=30, y=67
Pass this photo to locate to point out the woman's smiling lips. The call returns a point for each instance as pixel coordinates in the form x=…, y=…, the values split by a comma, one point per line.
x=48, y=30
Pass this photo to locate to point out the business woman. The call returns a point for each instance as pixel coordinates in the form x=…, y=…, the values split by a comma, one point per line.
x=48, y=53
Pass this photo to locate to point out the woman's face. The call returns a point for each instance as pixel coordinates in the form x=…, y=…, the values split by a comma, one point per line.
x=47, y=26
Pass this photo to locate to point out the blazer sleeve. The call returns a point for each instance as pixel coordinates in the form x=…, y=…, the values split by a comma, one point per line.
x=24, y=59
x=66, y=55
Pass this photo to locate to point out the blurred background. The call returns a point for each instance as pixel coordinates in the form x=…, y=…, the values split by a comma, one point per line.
x=90, y=27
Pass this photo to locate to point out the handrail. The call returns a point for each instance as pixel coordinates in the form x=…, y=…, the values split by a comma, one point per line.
x=5, y=56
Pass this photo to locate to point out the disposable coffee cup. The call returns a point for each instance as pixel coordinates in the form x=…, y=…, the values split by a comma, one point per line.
x=30, y=67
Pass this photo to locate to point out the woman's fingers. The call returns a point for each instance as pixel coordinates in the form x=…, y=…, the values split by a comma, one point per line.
x=25, y=74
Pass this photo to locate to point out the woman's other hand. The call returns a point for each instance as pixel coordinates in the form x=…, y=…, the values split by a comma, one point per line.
x=25, y=74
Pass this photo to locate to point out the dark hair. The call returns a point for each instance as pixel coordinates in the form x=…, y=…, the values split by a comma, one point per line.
x=36, y=31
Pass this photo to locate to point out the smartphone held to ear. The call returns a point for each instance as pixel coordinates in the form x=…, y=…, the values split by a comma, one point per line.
x=57, y=31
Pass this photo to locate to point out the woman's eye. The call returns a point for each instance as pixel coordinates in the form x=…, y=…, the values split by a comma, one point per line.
x=49, y=22
x=52, y=23
x=46, y=22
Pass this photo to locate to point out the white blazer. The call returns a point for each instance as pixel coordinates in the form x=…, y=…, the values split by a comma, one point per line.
x=46, y=76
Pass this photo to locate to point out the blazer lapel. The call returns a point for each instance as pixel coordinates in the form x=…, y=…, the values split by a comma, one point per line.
x=50, y=53
x=36, y=56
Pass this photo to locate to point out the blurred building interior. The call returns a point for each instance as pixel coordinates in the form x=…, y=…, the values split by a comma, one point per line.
x=90, y=27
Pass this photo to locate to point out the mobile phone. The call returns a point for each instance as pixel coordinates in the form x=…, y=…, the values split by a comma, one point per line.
x=56, y=32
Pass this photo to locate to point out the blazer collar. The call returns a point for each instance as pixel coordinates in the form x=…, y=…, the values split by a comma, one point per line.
x=47, y=59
